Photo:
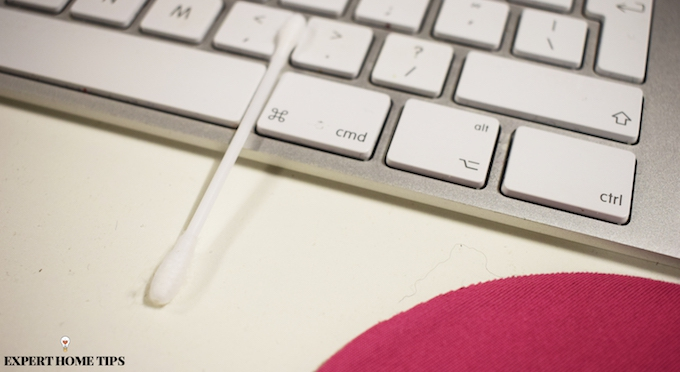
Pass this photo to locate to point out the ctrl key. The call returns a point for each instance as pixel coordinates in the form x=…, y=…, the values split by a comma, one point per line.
x=570, y=174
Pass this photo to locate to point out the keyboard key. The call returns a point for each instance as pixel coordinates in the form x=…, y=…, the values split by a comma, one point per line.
x=52, y=6
x=475, y=22
x=570, y=174
x=551, y=96
x=326, y=115
x=400, y=15
x=624, y=38
x=444, y=143
x=186, y=20
x=251, y=29
x=333, y=8
x=99, y=61
x=414, y=65
x=551, y=38
x=333, y=47
x=117, y=13
x=563, y=6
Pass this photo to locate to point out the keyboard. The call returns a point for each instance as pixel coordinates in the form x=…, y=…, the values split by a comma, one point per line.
x=555, y=116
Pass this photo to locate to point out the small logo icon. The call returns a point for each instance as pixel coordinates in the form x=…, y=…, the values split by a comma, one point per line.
x=278, y=115
x=65, y=341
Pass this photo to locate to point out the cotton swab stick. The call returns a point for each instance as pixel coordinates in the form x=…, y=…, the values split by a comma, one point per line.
x=169, y=276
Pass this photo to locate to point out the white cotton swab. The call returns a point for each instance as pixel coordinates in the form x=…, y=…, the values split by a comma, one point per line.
x=170, y=274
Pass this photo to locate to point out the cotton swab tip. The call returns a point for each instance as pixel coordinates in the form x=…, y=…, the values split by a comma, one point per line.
x=170, y=274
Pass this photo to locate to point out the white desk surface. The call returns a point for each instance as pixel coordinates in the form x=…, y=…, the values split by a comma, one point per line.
x=288, y=269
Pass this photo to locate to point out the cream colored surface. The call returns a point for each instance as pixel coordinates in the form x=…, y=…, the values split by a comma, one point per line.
x=289, y=267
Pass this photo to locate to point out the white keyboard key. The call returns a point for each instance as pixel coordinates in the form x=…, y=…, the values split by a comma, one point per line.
x=52, y=6
x=475, y=22
x=444, y=143
x=251, y=29
x=117, y=13
x=333, y=8
x=333, y=47
x=326, y=115
x=551, y=38
x=551, y=96
x=563, y=6
x=414, y=65
x=624, y=37
x=400, y=15
x=570, y=174
x=194, y=83
x=185, y=20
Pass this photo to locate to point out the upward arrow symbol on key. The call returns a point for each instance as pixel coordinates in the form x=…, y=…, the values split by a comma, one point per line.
x=621, y=118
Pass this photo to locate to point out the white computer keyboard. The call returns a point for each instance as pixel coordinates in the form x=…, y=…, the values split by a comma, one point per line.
x=528, y=112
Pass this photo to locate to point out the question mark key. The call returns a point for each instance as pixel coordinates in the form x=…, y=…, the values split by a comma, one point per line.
x=403, y=64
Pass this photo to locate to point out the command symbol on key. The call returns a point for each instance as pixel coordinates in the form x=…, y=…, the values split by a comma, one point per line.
x=278, y=115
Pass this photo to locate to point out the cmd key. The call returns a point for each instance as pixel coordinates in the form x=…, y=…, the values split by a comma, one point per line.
x=326, y=115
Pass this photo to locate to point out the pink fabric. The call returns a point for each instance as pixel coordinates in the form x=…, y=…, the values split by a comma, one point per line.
x=555, y=322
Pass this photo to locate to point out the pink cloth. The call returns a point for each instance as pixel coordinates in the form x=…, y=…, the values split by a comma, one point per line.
x=554, y=322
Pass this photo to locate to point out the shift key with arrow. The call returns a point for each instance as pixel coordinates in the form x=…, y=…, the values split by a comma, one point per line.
x=546, y=95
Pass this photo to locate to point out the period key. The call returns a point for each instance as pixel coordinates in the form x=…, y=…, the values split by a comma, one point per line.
x=570, y=174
